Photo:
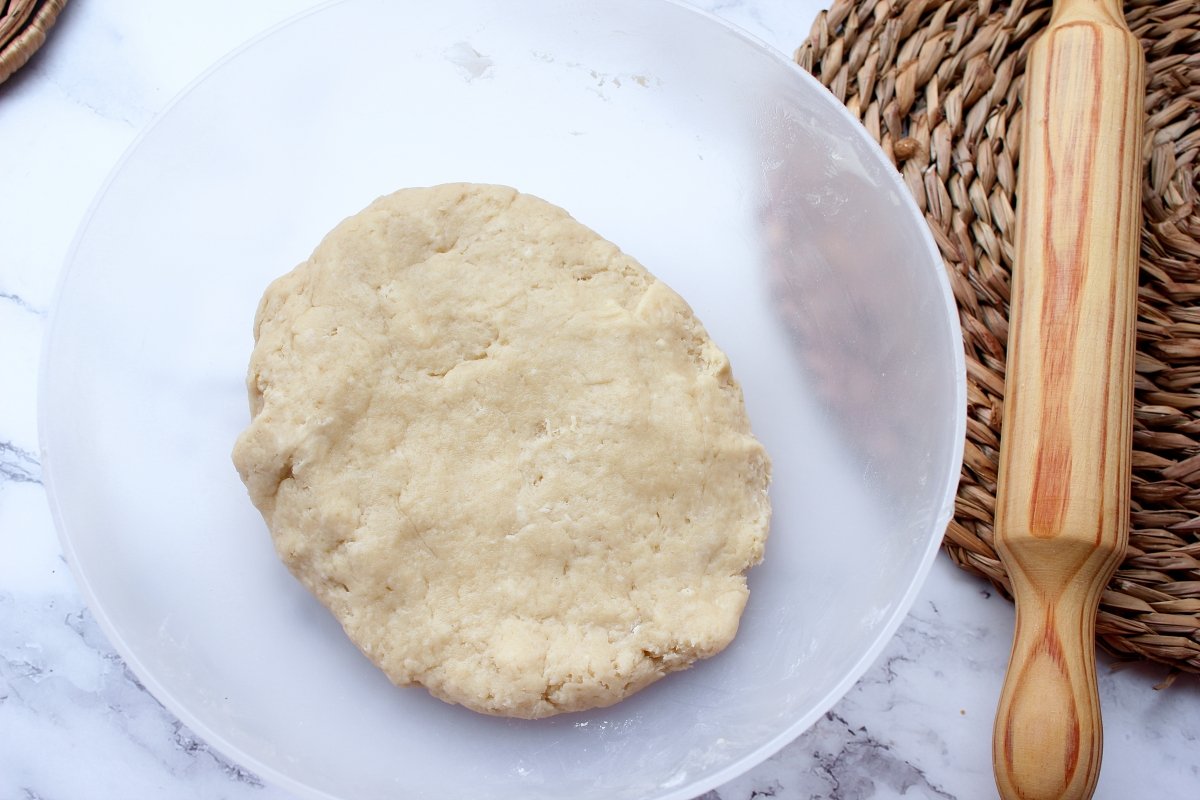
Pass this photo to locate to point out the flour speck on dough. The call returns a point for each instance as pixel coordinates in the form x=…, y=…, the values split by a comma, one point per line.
x=509, y=460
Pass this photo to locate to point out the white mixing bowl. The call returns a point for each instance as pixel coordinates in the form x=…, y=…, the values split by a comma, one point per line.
x=722, y=167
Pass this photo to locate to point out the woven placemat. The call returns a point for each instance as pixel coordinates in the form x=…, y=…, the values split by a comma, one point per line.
x=937, y=83
x=23, y=26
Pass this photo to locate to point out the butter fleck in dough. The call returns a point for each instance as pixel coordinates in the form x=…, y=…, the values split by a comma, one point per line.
x=508, y=459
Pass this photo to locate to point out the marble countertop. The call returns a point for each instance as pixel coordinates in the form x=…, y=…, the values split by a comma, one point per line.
x=75, y=722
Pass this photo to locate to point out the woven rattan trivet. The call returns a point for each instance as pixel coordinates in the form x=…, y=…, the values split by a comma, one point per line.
x=937, y=83
x=23, y=26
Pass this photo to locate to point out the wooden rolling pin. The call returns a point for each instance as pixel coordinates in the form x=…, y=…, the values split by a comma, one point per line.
x=1062, y=509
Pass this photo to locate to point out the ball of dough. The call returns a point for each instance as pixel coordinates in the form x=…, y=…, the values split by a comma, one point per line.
x=508, y=459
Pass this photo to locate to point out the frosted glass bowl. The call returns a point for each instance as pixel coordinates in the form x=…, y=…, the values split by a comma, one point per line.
x=719, y=165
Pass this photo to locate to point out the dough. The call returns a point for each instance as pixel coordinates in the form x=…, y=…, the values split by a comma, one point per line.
x=508, y=459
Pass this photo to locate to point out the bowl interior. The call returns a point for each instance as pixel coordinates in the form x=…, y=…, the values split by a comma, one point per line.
x=722, y=168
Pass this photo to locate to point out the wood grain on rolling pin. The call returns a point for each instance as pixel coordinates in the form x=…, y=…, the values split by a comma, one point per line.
x=1063, y=509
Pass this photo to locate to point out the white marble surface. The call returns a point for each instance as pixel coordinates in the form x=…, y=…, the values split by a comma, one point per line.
x=76, y=723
